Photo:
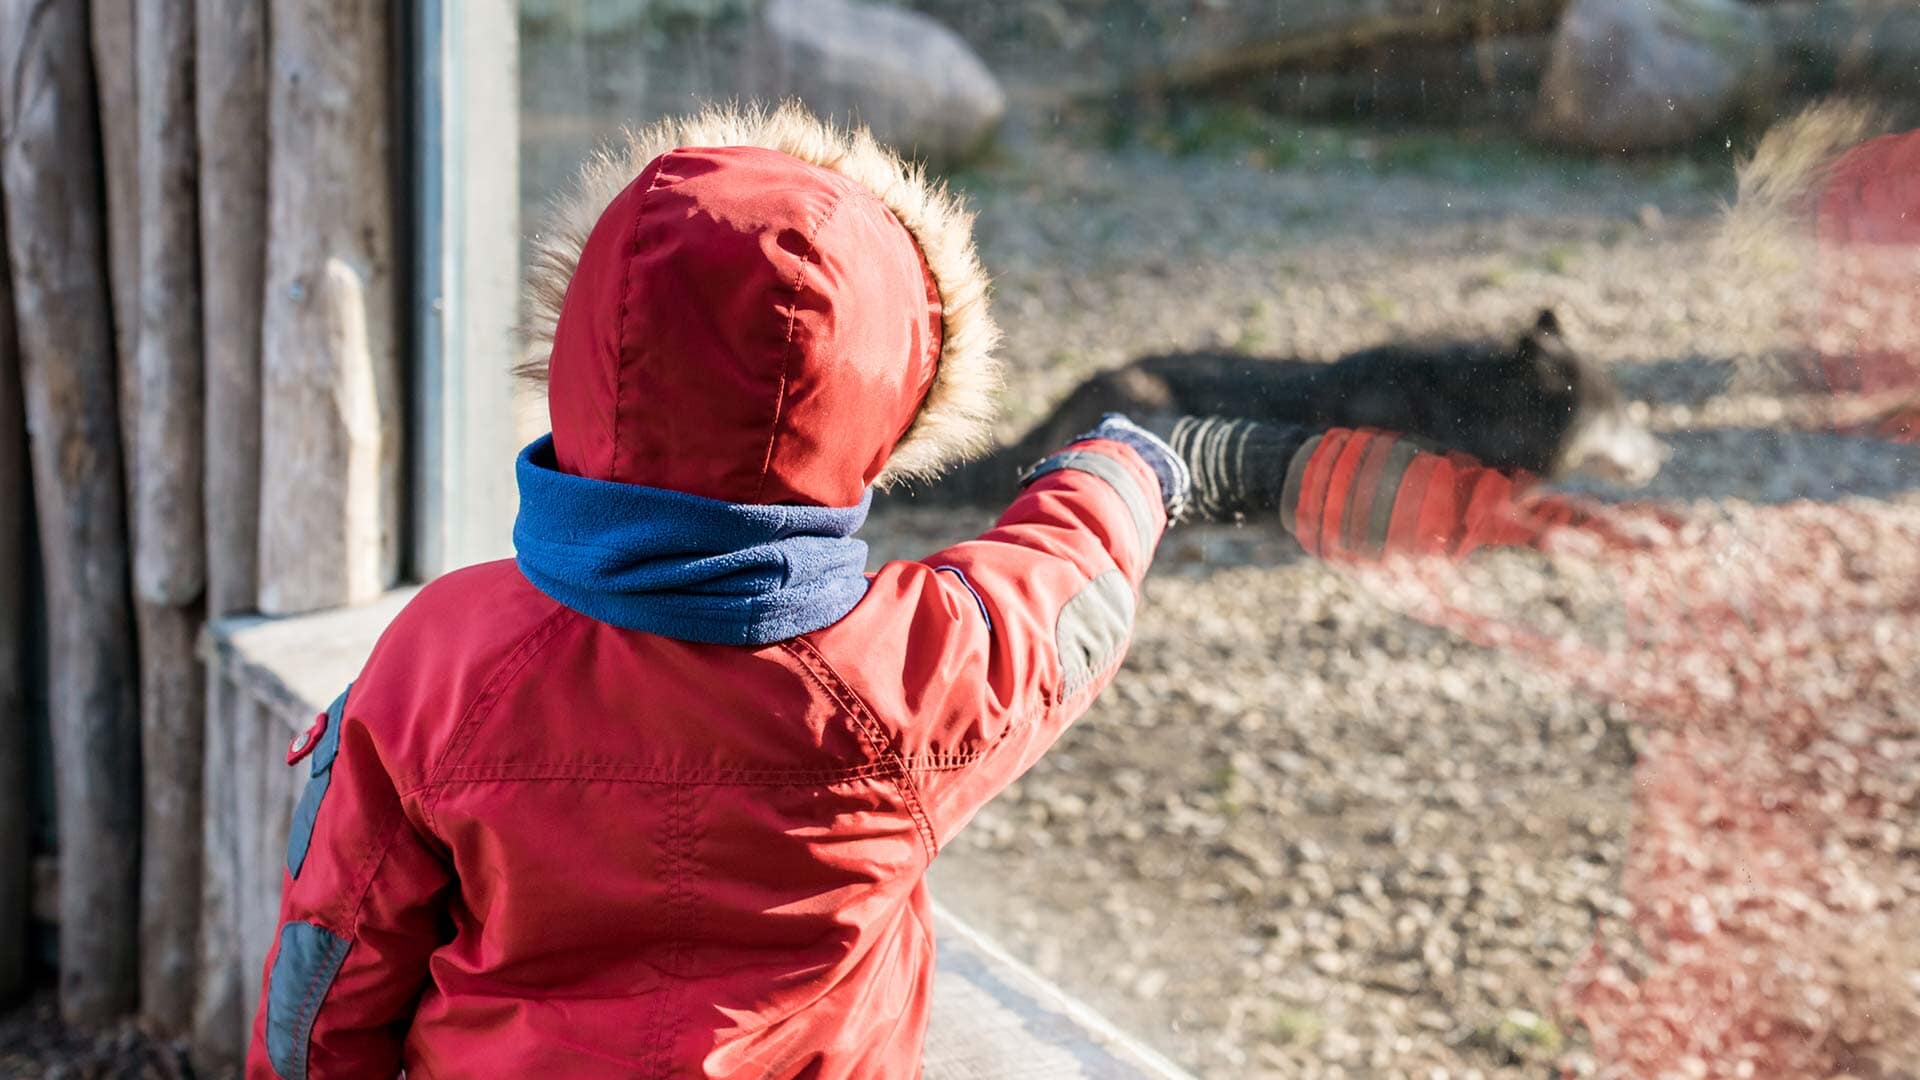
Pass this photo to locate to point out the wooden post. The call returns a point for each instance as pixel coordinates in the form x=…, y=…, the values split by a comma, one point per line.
x=114, y=63
x=16, y=867
x=169, y=531
x=50, y=168
x=255, y=912
x=221, y=989
x=173, y=711
x=170, y=564
x=230, y=68
x=331, y=438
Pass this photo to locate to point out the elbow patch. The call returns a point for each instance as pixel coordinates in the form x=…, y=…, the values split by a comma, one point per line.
x=1093, y=629
x=319, y=778
x=303, y=971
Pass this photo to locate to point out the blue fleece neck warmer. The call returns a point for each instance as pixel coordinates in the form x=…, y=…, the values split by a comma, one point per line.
x=682, y=566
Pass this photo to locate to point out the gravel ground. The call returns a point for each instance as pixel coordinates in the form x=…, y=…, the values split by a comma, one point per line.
x=1304, y=834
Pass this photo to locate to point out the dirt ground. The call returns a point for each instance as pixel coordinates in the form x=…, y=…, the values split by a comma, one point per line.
x=34, y=1045
x=1305, y=834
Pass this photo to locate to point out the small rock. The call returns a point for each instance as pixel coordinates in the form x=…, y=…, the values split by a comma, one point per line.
x=1149, y=985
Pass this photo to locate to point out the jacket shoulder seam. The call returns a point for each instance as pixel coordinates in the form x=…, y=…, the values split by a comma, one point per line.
x=879, y=743
x=503, y=676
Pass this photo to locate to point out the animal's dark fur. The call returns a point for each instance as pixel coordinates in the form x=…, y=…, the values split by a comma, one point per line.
x=1532, y=403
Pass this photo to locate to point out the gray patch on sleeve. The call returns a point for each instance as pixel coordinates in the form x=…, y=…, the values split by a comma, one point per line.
x=1093, y=629
x=300, y=835
x=303, y=971
x=1116, y=476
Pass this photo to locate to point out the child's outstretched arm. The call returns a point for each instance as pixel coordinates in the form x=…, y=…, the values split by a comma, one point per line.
x=360, y=911
x=1009, y=637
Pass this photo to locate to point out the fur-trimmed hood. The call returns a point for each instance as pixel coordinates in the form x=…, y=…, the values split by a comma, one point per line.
x=755, y=306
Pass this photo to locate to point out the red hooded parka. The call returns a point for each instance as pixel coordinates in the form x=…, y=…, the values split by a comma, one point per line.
x=543, y=845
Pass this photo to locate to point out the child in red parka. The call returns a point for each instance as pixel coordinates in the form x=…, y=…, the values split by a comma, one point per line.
x=656, y=797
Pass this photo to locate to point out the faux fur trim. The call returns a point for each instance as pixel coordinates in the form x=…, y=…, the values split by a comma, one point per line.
x=956, y=419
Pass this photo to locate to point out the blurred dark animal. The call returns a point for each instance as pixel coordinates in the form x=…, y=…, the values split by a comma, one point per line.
x=1530, y=404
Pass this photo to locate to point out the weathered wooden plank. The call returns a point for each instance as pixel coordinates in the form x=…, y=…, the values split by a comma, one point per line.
x=115, y=76
x=269, y=790
x=50, y=167
x=331, y=429
x=219, y=990
x=16, y=868
x=255, y=911
x=169, y=561
x=231, y=100
x=172, y=703
x=116, y=61
x=46, y=888
x=169, y=531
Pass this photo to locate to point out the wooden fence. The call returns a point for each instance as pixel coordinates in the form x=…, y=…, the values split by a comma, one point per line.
x=200, y=406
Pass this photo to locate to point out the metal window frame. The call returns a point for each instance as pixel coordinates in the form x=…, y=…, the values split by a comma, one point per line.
x=465, y=232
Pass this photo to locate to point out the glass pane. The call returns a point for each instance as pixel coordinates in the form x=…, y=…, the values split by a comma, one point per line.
x=1588, y=751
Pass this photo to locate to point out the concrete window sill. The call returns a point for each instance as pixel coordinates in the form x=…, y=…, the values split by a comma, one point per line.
x=992, y=1016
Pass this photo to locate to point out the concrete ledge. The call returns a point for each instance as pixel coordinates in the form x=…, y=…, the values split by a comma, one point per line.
x=993, y=1017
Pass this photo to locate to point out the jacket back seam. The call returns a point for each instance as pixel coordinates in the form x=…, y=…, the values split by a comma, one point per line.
x=500, y=772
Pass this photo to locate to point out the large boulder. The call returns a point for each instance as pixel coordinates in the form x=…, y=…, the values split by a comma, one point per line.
x=912, y=80
x=1644, y=74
